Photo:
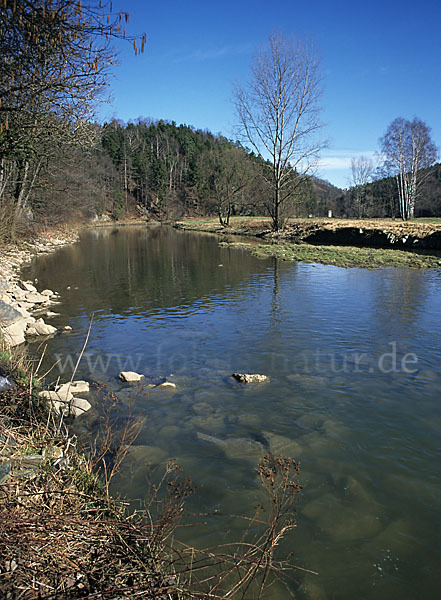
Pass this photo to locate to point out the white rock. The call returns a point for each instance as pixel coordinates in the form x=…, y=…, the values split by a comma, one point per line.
x=250, y=377
x=14, y=334
x=79, y=406
x=71, y=408
x=61, y=395
x=67, y=328
x=76, y=387
x=47, y=293
x=28, y=286
x=49, y=314
x=130, y=376
x=23, y=311
x=40, y=328
x=35, y=298
x=20, y=295
x=25, y=305
x=167, y=385
x=80, y=387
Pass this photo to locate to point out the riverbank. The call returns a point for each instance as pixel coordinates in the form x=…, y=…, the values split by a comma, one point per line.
x=367, y=244
x=61, y=533
x=23, y=309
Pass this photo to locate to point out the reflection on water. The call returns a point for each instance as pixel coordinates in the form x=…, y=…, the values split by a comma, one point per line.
x=354, y=363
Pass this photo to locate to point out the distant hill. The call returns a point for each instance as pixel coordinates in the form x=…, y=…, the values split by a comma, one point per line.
x=327, y=196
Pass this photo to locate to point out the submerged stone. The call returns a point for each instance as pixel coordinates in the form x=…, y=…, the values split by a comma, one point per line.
x=212, y=421
x=310, y=420
x=167, y=385
x=145, y=454
x=236, y=448
x=281, y=445
x=354, y=488
x=202, y=408
x=247, y=419
x=342, y=523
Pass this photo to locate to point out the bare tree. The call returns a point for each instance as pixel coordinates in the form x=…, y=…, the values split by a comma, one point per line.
x=362, y=169
x=407, y=149
x=227, y=173
x=55, y=57
x=278, y=112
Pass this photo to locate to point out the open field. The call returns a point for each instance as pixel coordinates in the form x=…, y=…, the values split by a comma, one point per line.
x=257, y=225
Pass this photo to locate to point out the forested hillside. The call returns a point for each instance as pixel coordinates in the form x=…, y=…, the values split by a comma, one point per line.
x=173, y=170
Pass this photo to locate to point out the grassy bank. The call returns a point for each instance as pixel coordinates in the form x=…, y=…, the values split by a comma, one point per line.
x=340, y=256
x=282, y=246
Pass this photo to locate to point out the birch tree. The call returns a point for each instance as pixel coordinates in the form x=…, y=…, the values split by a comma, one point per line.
x=407, y=149
x=278, y=112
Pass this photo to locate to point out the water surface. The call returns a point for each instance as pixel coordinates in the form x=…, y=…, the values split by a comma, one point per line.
x=354, y=361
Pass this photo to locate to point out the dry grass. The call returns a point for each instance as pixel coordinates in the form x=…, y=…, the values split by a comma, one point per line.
x=257, y=225
x=61, y=535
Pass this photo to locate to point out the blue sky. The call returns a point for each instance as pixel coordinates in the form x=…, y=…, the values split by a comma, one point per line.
x=380, y=60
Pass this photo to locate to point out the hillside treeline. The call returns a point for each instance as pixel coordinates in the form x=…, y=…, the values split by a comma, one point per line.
x=153, y=168
x=172, y=170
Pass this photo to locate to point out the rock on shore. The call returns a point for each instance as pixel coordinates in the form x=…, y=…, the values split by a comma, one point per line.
x=18, y=299
x=64, y=400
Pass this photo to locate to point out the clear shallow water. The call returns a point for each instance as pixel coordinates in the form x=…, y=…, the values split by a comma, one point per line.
x=354, y=358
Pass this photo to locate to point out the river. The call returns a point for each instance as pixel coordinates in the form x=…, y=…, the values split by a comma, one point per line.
x=354, y=361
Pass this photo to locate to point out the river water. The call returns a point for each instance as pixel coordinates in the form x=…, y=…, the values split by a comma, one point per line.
x=354, y=360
